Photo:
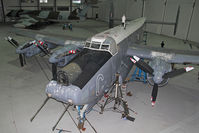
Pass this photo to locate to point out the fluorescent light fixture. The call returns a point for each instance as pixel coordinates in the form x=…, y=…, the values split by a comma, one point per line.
x=77, y=1
x=43, y=1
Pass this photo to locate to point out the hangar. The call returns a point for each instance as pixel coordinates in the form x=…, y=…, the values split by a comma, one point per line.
x=71, y=51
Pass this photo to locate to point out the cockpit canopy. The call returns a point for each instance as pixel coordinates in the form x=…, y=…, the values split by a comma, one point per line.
x=101, y=44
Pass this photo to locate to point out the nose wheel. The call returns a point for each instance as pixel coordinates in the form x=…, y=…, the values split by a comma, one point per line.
x=81, y=125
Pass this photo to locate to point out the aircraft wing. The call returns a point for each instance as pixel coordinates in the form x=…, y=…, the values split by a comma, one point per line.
x=170, y=55
x=50, y=38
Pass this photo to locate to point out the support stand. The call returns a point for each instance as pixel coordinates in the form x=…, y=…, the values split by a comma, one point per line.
x=66, y=108
x=45, y=101
x=118, y=100
x=139, y=75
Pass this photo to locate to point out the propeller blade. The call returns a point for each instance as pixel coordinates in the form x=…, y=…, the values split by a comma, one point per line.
x=21, y=60
x=43, y=50
x=177, y=72
x=54, y=71
x=15, y=42
x=142, y=65
x=154, y=94
x=12, y=41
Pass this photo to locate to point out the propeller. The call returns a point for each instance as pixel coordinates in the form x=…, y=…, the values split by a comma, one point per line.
x=177, y=72
x=145, y=67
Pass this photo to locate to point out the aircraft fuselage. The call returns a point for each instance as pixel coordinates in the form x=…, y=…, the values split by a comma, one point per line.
x=103, y=79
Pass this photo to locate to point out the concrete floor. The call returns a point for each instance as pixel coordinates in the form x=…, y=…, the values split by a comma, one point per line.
x=23, y=91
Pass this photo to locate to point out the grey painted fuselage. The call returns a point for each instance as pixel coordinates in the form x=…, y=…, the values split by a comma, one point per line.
x=103, y=79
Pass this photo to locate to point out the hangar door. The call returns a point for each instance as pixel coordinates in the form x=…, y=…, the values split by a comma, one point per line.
x=1, y=11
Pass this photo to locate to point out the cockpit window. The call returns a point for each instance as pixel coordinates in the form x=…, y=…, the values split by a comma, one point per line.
x=87, y=44
x=95, y=45
x=106, y=47
x=104, y=44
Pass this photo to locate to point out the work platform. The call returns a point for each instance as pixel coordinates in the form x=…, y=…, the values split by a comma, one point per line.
x=139, y=75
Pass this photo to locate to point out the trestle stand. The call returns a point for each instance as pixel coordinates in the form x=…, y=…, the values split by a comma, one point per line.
x=118, y=100
x=66, y=108
x=45, y=101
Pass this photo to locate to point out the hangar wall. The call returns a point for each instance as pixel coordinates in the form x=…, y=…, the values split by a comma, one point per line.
x=1, y=14
x=194, y=27
x=9, y=4
x=166, y=10
x=159, y=10
x=131, y=8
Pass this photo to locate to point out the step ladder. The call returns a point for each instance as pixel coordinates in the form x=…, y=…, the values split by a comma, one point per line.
x=139, y=75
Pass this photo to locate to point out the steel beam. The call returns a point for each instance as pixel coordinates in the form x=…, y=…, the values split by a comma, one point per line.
x=3, y=12
x=55, y=5
x=71, y=5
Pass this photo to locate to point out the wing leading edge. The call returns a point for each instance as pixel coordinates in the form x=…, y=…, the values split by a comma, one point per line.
x=50, y=39
x=169, y=55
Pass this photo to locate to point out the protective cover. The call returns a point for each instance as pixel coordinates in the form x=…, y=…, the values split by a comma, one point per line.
x=85, y=65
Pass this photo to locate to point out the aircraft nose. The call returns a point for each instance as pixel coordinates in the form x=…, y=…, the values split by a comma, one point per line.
x=67, y=94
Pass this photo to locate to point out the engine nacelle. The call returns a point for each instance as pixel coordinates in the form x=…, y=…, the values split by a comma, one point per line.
x=64, y=55
x=28, y=49
x=160, y=67
x=31, y=48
